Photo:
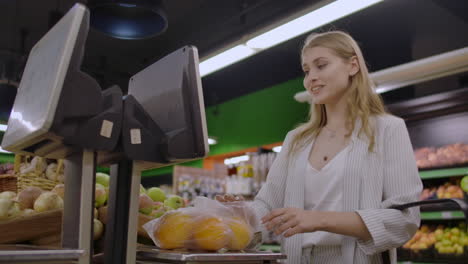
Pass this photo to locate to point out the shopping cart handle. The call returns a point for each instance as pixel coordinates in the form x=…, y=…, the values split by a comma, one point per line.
x=460, y=202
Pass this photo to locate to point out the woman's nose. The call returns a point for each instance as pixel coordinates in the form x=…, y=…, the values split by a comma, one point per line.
x=310, y=78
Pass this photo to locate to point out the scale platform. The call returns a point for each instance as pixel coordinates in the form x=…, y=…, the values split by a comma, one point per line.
x=147, y=255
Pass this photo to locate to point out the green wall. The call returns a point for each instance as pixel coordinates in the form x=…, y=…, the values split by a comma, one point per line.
x=259, y=118
x=256, y=119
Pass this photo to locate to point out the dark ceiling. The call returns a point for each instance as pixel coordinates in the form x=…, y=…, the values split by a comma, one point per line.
x=390, y=33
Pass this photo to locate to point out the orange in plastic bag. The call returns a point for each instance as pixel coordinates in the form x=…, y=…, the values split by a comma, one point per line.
x=174, y=231
x=207, y=225
x=211, y=233
x=241, y=233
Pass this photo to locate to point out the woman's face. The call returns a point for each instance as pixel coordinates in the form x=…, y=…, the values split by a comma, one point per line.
x=327, y=76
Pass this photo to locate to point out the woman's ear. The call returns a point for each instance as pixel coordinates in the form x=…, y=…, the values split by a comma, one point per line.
x=353, y=66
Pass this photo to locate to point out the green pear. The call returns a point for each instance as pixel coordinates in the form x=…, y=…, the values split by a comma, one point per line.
x=100, y=195
x=145, y=204
x=156, y=213
x=174, y=202
x=464, y=183
x=157, y=194
x=103, y=179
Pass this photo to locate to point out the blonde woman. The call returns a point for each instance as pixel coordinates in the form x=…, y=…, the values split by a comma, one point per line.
x=329, y=191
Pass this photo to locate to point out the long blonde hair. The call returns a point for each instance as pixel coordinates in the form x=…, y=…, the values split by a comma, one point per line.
x=362, y=101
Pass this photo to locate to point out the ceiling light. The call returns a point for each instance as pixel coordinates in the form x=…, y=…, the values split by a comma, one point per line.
x=296, y=27
x=3, y=127
x=128, y=19
x=3, y=151
x=312, y=20
x=224, y=59
x=277, y=149
x=236, y=160
x=414, y=72
x=212, y=141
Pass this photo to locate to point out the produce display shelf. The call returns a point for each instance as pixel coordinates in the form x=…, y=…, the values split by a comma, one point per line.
x=426, y=260
x=443, y=173
x=411, y=262
x=32, y=254
x=449, y=215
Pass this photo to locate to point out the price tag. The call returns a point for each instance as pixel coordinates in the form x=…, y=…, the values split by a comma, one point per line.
x=447, y=215
x=106, y=128
x=135, y=136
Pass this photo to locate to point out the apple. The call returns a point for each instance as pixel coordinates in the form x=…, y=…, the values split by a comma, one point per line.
x=455, y=231
x=98, y=229
x=156, y=213
x=157, y=205
x=100, y=195
x=174, y=202
x=464, y=241
x=145, y=204
x=454, y=239
x=464, y=183
x=157, y=194
x=458, y=249
x=446, y=242
x=103, y=179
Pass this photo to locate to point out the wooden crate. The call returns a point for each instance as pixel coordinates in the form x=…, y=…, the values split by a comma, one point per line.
x=38, y=227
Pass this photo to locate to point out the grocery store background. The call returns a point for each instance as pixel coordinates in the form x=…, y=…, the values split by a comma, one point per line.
x=250, y=105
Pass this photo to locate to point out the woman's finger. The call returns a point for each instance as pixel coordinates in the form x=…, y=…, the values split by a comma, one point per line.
x=292, y=231
x=285, y=226
x=274, y=213
x=277, y=221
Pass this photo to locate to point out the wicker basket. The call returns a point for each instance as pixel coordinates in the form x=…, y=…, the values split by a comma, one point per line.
x=36, y=177
x=7, y=183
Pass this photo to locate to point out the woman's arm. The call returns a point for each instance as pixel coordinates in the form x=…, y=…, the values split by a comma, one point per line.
x=293, y=221
x=271, y=195
x=391, y=228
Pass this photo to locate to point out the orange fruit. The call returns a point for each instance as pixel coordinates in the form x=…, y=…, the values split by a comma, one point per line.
x=174, y=230
x=241, y=234
x=211, y=233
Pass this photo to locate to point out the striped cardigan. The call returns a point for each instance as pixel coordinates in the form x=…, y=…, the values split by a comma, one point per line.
x=374, y=181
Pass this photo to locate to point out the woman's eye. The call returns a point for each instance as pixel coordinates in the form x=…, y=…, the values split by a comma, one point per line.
x=306, y=72
x=321, y=66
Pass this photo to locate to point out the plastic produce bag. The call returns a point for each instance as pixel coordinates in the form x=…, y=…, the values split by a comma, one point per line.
x=205, y=225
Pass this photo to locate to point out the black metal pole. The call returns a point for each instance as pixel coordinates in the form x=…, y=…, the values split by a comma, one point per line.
x=115, y=244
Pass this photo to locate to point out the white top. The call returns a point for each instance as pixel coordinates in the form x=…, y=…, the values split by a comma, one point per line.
x=324, y=192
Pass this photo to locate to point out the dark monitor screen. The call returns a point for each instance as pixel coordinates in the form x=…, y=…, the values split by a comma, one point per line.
x=170, y=92
x=42, y=83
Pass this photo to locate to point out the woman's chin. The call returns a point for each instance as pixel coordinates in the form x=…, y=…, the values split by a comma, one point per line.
x=319, y=100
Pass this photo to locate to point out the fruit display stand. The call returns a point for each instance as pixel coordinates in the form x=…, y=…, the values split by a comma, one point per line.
x=42, y=229
x=437, y=126
x=153, y=255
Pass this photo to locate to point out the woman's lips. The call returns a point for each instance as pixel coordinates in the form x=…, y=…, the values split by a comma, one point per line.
x=316, y=90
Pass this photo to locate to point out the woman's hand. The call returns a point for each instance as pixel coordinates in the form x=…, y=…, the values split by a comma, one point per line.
x=291, y=221
x=228, y=198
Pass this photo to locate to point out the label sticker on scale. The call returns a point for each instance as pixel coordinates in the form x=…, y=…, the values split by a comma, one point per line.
x=106, y=128
x=135, y=136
